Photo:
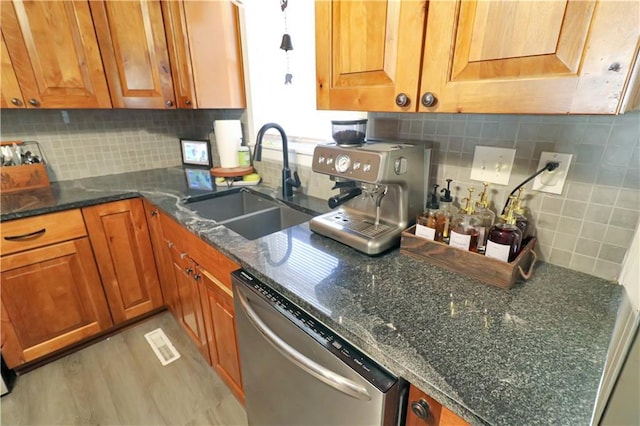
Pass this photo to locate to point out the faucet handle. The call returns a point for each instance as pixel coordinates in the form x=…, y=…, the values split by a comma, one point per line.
x=295, y=181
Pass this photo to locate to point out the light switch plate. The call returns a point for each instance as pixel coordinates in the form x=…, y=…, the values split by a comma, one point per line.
x=493, y=165
x=552, y=182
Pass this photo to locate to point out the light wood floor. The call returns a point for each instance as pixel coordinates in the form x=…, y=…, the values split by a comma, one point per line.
x=120, y=381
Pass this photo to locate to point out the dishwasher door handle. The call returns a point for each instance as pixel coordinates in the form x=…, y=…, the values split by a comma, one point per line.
x=327, y=376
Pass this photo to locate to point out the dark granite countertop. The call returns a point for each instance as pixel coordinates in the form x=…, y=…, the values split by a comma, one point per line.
x=530, y=355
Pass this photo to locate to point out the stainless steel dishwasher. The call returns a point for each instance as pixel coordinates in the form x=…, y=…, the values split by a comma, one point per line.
x=296, y=371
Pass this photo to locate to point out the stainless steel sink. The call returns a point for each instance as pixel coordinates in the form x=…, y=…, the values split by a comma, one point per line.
x=230, y=206
x=259, y=224
x=248, y=214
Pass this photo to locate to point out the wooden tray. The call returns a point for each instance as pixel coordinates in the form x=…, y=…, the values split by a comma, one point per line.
x=474, y=265
x=20, y=178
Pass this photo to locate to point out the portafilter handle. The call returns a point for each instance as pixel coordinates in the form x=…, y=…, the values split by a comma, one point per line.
x=341, y=198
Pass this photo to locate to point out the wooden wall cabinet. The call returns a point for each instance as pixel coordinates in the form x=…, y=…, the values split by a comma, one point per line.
x=202, y=276
x=155, y=54
x=122, y=247
x=426, y=411
x=474, y=56
x=205, y=53
x=50, y=288
x=53, y=50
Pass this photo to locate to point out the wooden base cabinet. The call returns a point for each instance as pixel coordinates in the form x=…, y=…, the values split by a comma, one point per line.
x=122, y=247
x=426, y=411
x=204, y=300
x=51, y=293
x=219, y=317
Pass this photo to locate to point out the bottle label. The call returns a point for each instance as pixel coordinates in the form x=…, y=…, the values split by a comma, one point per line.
x=425, y=232
x=461, y=241
x=497, y=251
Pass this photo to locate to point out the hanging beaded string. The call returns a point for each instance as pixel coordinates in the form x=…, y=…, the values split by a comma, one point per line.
x=286, y=44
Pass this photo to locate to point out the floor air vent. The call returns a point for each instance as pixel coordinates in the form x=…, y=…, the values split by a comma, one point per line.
x=162, y=346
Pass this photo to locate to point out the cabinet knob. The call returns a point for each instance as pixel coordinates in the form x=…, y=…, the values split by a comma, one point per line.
x=420, y=409
x=428, y=99
x=34, y=102
x=170, y=244
x=154, y=213
x=402, y=100
x=169, y=104
x=196, y=276
x=188, y=270
x=187, y=102
x=16, y=101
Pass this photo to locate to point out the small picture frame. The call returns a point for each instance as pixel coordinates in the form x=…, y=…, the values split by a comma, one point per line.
x=199, y=179
x=196, y=152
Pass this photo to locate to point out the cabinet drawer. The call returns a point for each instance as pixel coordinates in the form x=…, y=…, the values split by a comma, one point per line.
x=24, y=234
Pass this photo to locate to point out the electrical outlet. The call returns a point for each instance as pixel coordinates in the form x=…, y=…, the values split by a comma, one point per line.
x=552, y=182
x=491, y=164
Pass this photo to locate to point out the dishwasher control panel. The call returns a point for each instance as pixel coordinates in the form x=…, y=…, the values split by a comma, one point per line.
x=349, y=354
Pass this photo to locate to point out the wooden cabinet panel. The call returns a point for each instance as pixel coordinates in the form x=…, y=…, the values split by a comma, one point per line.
x=217, y=303
x=54, y=53
x=51, y=298
x=162, y=259
x=215, y=49
x=426, y=411
x=134, y=50
x=10, y=94
x=368, y=53
x=178, y=43
x=525, y=57
x=191, y=316
x=120, y=240
x=38, y=231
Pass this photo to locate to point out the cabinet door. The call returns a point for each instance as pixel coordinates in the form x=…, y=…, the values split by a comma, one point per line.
x=217, y=303
x=55, y=53
x=178, y=43
x=51, y=298
x=10, y=94
x=216, y=58
x=426, y=411
x=162, y=257
x=528, y=56
x=121, y=243
x=134, y=51
x=190, y=305
x=368, y=53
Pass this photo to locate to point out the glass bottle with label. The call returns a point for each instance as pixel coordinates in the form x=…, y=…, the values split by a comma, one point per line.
x=464, y=227
x=427, y=222
x=505, y=238
x=486, y=218
x=448, y=210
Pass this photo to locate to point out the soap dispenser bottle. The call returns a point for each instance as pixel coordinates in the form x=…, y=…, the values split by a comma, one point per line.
x=518, y=213
x=448, y=210
x=486, y=218
x=505, y=238
x=464, y=227
x=427, y=222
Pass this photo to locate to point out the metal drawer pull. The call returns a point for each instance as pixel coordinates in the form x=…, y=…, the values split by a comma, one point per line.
x=321, y=373
x=26, y=236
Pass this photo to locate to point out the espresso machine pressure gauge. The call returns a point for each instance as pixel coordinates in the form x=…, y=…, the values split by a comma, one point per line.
x=343, y=162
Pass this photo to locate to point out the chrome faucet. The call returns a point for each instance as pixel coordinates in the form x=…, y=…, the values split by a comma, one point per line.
x=288, y=182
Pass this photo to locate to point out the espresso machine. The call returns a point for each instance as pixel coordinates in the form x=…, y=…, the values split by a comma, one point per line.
x=381, y=188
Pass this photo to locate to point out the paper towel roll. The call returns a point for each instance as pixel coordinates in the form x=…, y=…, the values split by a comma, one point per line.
x=228, y=138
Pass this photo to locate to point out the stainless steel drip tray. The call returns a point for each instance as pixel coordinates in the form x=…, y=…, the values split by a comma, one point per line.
x=357, y=230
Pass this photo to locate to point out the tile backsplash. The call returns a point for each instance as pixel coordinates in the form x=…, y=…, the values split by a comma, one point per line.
x=84, y=143
x=588, y=227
